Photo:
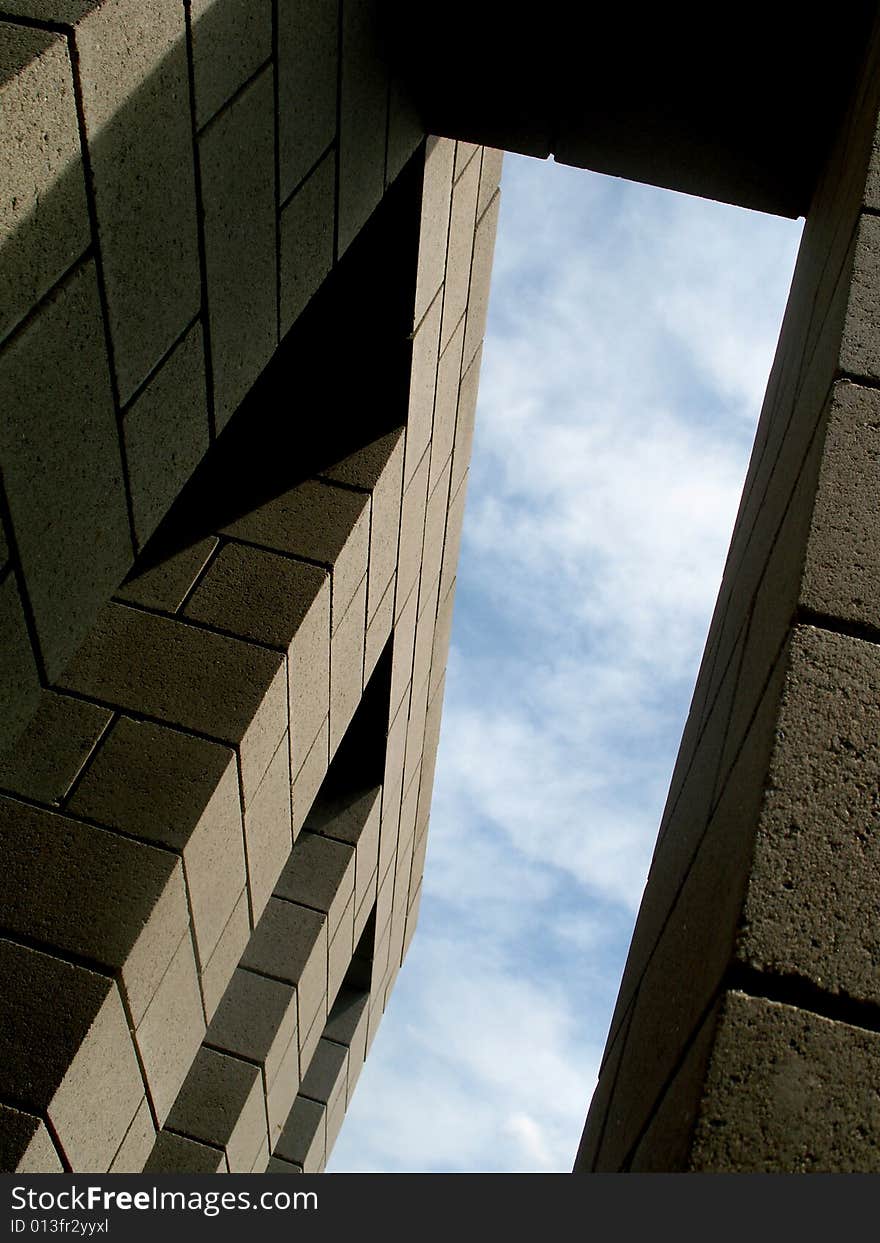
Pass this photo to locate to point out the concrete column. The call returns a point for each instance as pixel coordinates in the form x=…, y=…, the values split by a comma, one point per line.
x=747, y=1031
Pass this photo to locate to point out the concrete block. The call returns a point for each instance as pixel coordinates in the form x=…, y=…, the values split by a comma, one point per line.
x=423, y=650
x=319, y=873
x=267, y=831
x=321, y=523
x=347, y=666
x=464, y=426
x=231, y=39
x=442, y=638
x=481, y=273
x=19, y=677
x=165, y=583
x=81, y=1073
x=446, y=404
x=51, y=752
x=157, y=666
x=490, y=177
x=363, y=912
x=256, y=1021
x=283, y=1089
x=464, y=153
x=95, y=894
x=134, y=82
x=181, y=793
x=307, y=230
x=303, y=1140
x=44, y=219
x=384, y=903
x=135, y=1149
x=170, y=1033
x=412, y=532
x=237, y=154
x=405, y=130
x=412, y=919
x=403, y=649
x=434, y=227
x=423, y=383
x=406, y=831
x=222, y=1104
x=363, y=118
x=282, y=603
x=353, y=818
x=433, y=722
x=377, y=469
x=277, y=1166
x=859, y=352
x=432, y=558
x=307, y=781
x=347, y=1025
x=340, y=951
x=262, y=1158
x=308, y=39
x=379, y=630
x=25, y=1144
x=780, y=1082
x=166, y=433
x=327, y=1071
x=217, y=973
x=462, y=220
x=452, y=542
x=309, y=1042
x=420, y=848
x=176, y=1154
x=415, y=736
x=61, y=465
x=808, y=908
x=290, y=944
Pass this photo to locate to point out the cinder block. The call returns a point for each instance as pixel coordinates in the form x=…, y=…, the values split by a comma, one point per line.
x=308, y=780
x=780, y=1081
x=452, y=541
x=134, y=83
x=303, y=1140
x=464, y=153
x=283, y=1089
x=363, y=912
x=308, y=38
x=327, y=1071
x=429, y=583
x=481, y=273
x=446, y=404
x=237, y=154
x=347, y=666
x=179, y=792
x=282, y=603
x=169, y=1034
x=231, y=39
x=433, y=721
x=321, y=523
x=340, y=952
x=267, y=830
x=464, y=426
x=277, y=1166
x=859, y=352
x=290, y=944
x=135, y=1149
x=262, y=1158
x=347, y=1025
x=424, y=645
x=363, y=118
x=423, y=381
x=352, y=818
x=25, y=1144
x=164, y=583
x=95, y=894
x=379, y=630
x=217, y=973
x=462, y=220
x=256, y=1021
x=378, y=469
x=434, y=226
x=44, y=222
x=490, y=177
x=415, y=736
x=412, y=918
x=307, y=228
x=319, y=873
x=61, y=466
x=19, y=678
x=412, y=531
x=406, y=831
x=157, y=666
x=420, y=848
x=222, y=1104
x=309, y=1042
x=166, y=433
x=51, y=752
x=403, y=649
x=82, y=1073
x=442, y=637
x=176, y=1154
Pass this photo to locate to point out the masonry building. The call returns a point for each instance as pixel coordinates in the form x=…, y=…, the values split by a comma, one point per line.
x=245, y=269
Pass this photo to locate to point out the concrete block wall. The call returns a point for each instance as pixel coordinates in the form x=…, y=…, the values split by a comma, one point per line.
x=747, y=1022
x=209, y=896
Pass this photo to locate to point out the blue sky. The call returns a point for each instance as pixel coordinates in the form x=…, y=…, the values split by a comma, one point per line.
x=630, y=335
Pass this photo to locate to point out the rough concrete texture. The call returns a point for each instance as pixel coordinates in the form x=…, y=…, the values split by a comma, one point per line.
x=304, y=1138
x=55, y=391
x=221, y=1104
x=459, y=248
x=230, y=41
x=135, y=1149
x=426, y=348
x=256, y=1021
x=290, y=944
x=307, y=83
x=19, y=675
x=44, y=220
x=481, y=271
x=166, y=433
x=25, y=1144
x=347, y=666
x=237, y=157
x=176, y=1154
x=217, y=972
x=319, y=872
x=307, y=231
x=363, y=118
x=173, y=790
x=165, y=583
x=267, y=830
x=169, y=1034
x=788, y=1091
x=434, y=224
x=48, y=756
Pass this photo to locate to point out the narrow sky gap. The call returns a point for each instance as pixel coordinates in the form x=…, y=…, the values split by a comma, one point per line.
x=631, y=332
